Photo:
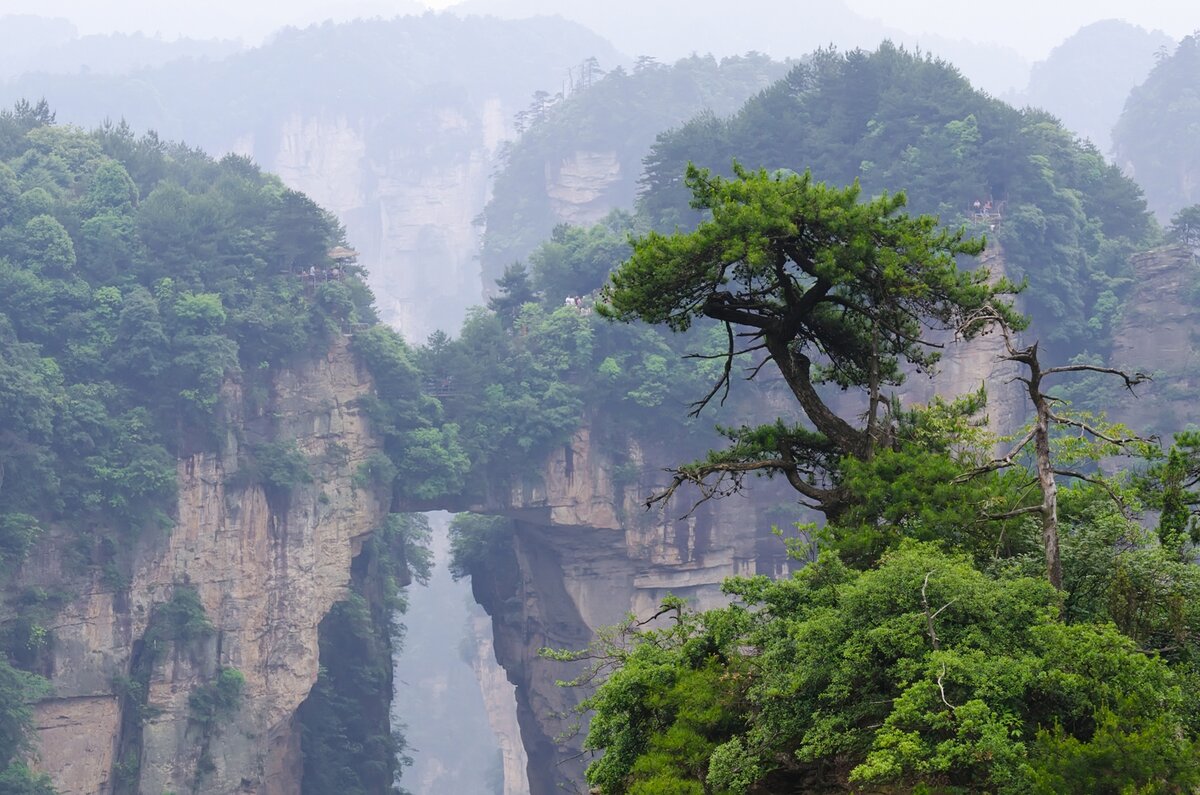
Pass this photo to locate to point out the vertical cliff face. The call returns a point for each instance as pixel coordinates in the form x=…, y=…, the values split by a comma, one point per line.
x=1157, y=336
x=579, y=186
x=408, y=190
x=966, y=365
x=585, y=554
x=265, y=567
x=499, y=702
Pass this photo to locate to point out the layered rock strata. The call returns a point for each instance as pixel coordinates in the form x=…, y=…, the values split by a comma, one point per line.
x=266, y=568
x=1157, y=336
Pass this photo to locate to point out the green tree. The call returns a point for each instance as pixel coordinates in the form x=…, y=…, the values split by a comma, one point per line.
x=1185, y=227
x=923, y=674
x=828, y=288
x=575, y=261
x=110, y=190
x=904, y=120
x=1171, y=487
x=18, y=690
x=514, y=291
x=46, y=247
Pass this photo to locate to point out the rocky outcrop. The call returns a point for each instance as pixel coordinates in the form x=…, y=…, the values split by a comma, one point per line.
x=578, y=186
x=499, y=701
x=1157, y=336
x=265, y=567
x=585, y=554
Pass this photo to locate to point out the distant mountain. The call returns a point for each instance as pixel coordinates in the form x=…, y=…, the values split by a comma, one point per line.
x=1086, y=79
x=672, y=29
x=24, y=35
x=115, y=54
x=250, y=22
x=358, y=68
x=1156, y=139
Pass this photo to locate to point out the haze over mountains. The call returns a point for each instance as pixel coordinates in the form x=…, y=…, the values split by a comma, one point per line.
x=224, y=433
x=993, y=46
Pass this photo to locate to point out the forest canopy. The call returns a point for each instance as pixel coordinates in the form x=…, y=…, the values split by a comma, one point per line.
x=896, y=120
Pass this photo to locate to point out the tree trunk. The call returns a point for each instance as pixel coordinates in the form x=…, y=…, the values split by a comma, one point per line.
x=1045, y=470
x=1045, y=467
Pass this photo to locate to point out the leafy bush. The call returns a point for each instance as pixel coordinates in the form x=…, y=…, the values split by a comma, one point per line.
x=282, y=466
x=219, y=698
x=183, y=618
x=473, y=540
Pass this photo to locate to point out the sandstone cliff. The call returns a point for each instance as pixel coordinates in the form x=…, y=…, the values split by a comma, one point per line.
x=578, y=186
x=265, y=569
x=585, y=554
x=1157, y=336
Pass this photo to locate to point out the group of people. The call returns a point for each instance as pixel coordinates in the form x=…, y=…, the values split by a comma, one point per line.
x=576, y=302
x=317, y=275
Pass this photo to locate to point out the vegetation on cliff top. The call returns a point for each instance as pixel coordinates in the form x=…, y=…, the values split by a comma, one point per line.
x=137, y=280
x=898, y=121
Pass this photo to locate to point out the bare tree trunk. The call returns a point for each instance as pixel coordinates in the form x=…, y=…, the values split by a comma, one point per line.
x=1042, y=461
x=1040, y=436
x=1045, y=471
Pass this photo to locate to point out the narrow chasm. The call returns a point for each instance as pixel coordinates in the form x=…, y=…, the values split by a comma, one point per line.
x=452, y=700
x=346, y=736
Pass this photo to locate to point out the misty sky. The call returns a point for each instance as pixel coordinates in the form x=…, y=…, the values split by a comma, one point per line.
x=1030, y=26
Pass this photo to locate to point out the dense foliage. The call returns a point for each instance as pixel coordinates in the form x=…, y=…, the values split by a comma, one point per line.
x=922, y=674
x=1155, y=137
x=888, y=118
x=518, y=381
x=922, y=650
x=135, y=279
x=895, y=120
x=890, y=663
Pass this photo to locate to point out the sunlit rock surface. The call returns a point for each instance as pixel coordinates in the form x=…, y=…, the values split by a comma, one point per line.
x=266, y=572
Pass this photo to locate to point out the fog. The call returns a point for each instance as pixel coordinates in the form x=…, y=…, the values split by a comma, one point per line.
x=1029, y=27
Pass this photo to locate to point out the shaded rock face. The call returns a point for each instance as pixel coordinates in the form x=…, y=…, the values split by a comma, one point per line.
x=265, y=570
x=585, y=554
x=1157, y=336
